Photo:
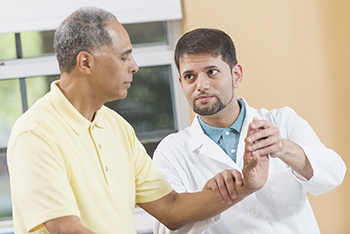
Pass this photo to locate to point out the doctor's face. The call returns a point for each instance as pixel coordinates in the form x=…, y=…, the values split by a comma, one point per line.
x=208, y=83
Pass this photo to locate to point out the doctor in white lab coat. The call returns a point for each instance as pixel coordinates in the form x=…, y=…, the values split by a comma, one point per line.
x=189, y=158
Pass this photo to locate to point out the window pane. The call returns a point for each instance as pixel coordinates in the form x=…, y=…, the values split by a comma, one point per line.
x=5, y=196
x=147, y=33
x=149, y=106
x=10, y=106
x=37, y=87
x=37, y=43
x=7, y=46
x=11, y=109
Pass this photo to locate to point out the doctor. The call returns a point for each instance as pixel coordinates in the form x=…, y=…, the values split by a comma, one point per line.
x=209, y=74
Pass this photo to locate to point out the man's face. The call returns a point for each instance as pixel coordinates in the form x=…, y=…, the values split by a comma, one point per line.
x=113, y=66
x=207, y=82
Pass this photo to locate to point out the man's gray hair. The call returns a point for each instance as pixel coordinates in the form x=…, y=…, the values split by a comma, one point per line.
x=83, y=30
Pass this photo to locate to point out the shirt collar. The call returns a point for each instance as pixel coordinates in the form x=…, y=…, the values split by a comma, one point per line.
x=68, y=112
x=216, y=133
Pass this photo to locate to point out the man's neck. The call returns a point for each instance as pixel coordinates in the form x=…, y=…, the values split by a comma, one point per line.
x=78, y=93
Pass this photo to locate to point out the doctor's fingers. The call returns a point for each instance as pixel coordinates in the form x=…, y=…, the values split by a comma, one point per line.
x=260, y=123
x=224, y=185
x=252, y=128
x=271, y=145
x=263, y=134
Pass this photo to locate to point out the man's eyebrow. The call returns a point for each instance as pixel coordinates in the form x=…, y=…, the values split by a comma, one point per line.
x=187, y=72
x=126, y=52
x=210, y=67
x=205, y=68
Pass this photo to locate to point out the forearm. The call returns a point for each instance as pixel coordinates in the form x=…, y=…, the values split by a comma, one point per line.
x=193, y=207
x=178, y=209
x=203, y=205
x=294, y=156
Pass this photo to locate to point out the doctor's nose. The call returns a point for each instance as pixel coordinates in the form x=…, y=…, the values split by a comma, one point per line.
x=203, y=83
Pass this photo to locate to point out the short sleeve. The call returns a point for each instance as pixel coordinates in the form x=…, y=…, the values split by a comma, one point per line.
x=39, y=180
x=149, y=181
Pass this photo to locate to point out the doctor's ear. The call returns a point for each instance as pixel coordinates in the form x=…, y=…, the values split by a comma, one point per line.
x=237, y=74
x=84, y=62
x=180, y=80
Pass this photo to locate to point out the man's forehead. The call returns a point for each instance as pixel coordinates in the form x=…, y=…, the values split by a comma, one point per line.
x=206, y=56
x=203, y=59
x=120, y=37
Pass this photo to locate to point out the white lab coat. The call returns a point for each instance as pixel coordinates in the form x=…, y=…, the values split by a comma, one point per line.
x=189, y=158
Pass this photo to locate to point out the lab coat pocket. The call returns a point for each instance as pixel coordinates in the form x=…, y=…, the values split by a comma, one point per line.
x=288, y=195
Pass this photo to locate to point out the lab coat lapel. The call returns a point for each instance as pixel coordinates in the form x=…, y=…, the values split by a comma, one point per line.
x=202, y=146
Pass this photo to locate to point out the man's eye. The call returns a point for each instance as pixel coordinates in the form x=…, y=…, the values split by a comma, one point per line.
x=188, y=77
x=212, y=72
x=124, y=58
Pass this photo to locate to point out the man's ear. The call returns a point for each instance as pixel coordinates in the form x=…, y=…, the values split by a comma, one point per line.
x=180, y=80
x=237, y=73
x=84, y=62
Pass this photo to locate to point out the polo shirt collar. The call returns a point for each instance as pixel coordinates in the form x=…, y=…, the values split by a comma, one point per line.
x=72, y=116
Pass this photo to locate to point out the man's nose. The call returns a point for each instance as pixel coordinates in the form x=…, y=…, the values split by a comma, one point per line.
x=134, y=66
x=203, y=82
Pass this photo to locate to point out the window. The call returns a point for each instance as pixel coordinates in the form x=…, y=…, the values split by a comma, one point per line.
x=28, y=66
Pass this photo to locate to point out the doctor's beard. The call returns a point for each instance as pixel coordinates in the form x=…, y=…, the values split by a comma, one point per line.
x=208, y=109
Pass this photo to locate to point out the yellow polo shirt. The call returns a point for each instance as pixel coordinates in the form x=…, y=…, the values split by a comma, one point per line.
x=62, y=164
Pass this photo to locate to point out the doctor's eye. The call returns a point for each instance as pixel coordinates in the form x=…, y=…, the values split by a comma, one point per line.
x=212, y=72
x=188, y=77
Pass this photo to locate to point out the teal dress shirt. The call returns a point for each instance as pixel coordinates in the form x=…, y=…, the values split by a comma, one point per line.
x=226, y=138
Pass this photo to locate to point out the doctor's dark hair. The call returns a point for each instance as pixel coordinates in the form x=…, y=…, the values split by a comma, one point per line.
x=206, y=41
x=83, y=30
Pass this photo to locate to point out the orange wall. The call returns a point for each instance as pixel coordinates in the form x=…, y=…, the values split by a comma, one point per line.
x=294, y=53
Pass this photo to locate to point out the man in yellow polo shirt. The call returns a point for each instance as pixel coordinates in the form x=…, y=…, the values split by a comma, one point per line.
x=77, y=167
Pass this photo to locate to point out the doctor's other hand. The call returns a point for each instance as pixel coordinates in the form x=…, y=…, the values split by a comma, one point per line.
x=264, y=138
x=223, y=185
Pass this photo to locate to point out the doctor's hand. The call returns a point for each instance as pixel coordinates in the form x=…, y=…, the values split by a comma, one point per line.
x=264, y=138
x=223, y=185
